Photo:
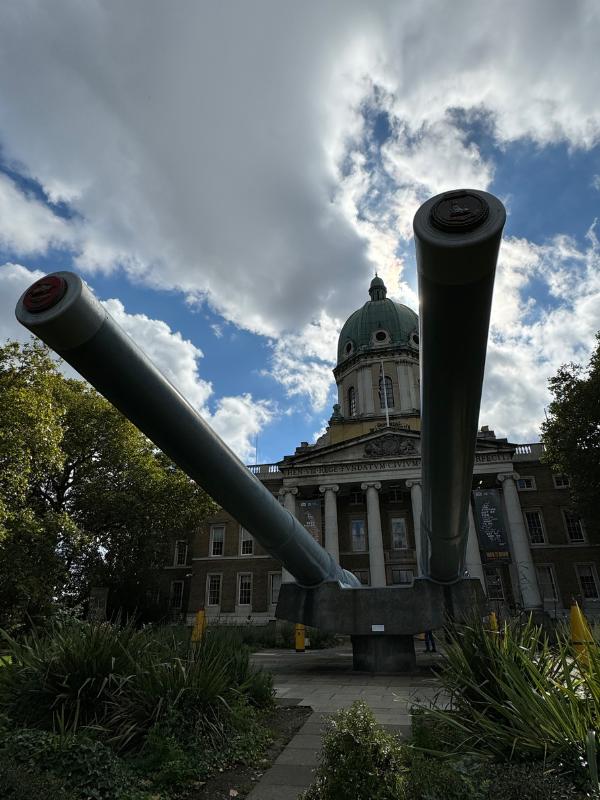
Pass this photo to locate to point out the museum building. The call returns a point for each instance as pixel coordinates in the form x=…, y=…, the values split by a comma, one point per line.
x=358, y=491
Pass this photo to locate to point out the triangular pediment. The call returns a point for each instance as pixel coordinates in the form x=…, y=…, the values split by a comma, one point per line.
x=386, y=443
x=379, y=444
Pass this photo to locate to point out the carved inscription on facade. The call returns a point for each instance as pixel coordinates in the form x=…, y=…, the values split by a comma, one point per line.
x=341, y=468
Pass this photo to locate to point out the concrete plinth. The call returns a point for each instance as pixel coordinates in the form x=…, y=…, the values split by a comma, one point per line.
x=383, y=654
x=381, y=620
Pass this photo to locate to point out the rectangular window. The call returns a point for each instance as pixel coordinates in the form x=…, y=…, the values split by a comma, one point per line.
x=399, y=537
x=356, y=498
x=561, y=481
x=217, y=540
x=246, y=543
x=359, y=535
x=213, y=590
x=176, y=594
x=493, y=580
x=362, y=575
x=402, y=576
x=395, y=495
x=588, y=581
x=526, y=484
x=244, y=589
x=547, y=582
x=535, y=527
x=181, y=548
x=574, y=526
x=274, y=587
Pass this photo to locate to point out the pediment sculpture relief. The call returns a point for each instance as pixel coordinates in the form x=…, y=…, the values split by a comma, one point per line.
x=390, y=445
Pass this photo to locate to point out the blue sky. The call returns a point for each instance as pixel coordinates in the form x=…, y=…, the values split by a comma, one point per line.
x=231, y=179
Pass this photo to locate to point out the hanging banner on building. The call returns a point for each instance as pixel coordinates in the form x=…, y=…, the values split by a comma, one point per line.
x=309, y=515
x=491, y=528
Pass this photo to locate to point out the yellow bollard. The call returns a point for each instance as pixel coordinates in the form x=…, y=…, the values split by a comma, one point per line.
x=299, y=637
x=493, y=622
x=581, y=635
x=199, y=626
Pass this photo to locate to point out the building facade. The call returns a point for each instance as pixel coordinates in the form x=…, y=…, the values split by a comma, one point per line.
x=358, y=491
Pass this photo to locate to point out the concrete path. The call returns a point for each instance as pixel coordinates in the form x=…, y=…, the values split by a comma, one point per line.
x=324, y=680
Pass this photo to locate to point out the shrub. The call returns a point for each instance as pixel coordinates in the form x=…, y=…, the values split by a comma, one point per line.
x=514, y=697
x=435, y=779
x=528, y=782
x=359, y=759
x=280, y=636
x=17, y=783
x=119, y=683
x=78, y=765
x=72, y=672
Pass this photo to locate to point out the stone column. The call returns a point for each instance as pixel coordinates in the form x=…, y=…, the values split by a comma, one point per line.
x=473, y=563
x=376, y=556
x=416, y=497
x=289, y=501
x=331, y=521
x=528, y=585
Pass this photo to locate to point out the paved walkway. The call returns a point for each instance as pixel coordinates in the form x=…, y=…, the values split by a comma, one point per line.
x=324, y=680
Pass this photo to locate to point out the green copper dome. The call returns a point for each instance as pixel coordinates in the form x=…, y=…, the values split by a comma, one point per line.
x=379, y=323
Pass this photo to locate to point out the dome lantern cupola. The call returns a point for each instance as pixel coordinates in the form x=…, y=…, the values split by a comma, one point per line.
x=377, y=289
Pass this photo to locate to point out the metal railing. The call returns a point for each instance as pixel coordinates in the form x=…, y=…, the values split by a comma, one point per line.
x=264, y=469
x=529, y=452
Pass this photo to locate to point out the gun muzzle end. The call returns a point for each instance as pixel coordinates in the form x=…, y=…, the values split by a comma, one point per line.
x=61, y=310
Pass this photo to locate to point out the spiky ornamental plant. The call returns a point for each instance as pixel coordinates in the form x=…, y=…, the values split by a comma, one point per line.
x=515, y=697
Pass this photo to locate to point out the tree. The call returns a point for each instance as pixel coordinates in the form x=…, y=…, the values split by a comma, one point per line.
x=86, y=498
x=571, y=434
x=30, y=438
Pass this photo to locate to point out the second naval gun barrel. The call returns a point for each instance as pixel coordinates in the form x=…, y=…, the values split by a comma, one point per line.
x=457, y=239
x=64, y=313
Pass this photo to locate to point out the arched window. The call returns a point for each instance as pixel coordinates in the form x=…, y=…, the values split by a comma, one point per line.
x=351, y=402
x=389, y=392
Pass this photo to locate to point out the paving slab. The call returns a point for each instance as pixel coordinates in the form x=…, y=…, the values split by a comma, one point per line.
x=325, y=682
x=276, y=792
x=298, y=756
x=310, y=741
x=288, y=775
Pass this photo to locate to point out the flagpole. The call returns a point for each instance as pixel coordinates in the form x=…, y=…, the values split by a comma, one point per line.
x=384, y=389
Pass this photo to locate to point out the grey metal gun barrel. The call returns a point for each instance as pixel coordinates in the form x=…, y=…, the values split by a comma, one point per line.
x=457, y=238
x=64, y=313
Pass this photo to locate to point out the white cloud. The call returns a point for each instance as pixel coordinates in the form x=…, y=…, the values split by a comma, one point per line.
x=239, y=419
x=27, y=225
x=302, y=362
x=14, y=279
x=222, y=151
x=236, y=419
x=527, y=344
x=212, y=168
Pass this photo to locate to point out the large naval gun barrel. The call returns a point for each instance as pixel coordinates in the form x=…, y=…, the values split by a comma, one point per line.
x=457, y=238
x=64, y=313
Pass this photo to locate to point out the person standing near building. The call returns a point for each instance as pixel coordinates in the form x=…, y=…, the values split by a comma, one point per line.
x=429, y=642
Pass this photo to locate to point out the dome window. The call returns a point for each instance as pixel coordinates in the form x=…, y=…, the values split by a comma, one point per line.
x=386, y=393
x=351, y=402
x=381, y=336
x=348, y=348
x=414, y=339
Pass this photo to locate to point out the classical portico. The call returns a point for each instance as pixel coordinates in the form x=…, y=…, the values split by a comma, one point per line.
x=370, y=487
